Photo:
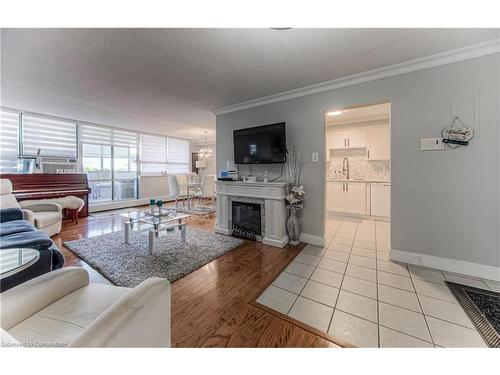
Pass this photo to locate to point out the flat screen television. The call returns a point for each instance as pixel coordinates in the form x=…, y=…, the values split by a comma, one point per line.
x=260, y=145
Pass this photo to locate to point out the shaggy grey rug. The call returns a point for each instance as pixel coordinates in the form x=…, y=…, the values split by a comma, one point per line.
x=128, y=265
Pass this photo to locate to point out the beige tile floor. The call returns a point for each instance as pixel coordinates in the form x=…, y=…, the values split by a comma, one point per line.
x=351, y=290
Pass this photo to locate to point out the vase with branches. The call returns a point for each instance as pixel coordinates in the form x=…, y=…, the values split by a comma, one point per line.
x=295, y=195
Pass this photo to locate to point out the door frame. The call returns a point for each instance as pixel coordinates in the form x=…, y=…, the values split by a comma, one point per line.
x=325, y=171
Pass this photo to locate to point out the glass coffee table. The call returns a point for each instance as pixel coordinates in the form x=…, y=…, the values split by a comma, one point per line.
x=15, y=260
x=154, y=223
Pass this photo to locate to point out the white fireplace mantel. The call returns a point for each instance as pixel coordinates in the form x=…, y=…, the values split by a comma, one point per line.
x=272, y=197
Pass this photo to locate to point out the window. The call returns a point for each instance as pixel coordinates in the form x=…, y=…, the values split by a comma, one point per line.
x=53, y=137
x=109, y=158
x=124, y=165
x=153, y=154
x=9, y=140
x=177, y=156
x=96, y=161
x=159, y=154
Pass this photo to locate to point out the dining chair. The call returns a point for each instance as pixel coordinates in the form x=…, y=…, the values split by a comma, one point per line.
x=173, y=188
x=207, y=188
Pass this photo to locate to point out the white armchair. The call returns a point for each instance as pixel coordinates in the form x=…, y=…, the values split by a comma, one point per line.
x=61, y=308
x=47, y=217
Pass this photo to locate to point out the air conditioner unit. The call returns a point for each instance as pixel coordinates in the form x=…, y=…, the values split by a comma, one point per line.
x=58, y=166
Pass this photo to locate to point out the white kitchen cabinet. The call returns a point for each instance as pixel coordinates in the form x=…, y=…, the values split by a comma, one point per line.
x=335, y=197
x=380, y=197
x=345, y=138
x=356, y=197
x=337, y=140
x=347, y=197
x=378, y=145
x=356, y=138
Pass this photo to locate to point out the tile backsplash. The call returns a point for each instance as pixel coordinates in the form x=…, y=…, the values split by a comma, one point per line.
x=359, y=167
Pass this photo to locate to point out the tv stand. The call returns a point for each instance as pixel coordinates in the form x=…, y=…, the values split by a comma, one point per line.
x=271, y=197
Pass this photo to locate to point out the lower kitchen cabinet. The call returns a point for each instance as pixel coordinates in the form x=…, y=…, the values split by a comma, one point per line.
x=356, y=197
x=380, y=197
x=347, y=197
x=335, y=196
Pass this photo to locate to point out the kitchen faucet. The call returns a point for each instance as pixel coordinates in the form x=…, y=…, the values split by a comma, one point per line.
x=345, y=167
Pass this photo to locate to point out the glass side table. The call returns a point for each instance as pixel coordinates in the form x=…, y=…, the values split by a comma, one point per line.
x=15, y=260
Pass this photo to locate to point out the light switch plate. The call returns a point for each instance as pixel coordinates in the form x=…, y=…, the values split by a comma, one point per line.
x=315, y=157
x=431, y=144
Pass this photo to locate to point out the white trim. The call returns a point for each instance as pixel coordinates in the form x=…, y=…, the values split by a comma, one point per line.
x=446, y=264
x=224, y=231
x=312, y=239
x=274, y=242
x=443, y=58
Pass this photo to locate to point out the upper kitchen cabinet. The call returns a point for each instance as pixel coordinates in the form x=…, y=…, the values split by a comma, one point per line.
x=378, y=144
x=356, y=138
x=346, y=138
x=336, y=139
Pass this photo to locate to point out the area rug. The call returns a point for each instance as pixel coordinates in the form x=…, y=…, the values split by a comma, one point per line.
x=129, y=264
x=483, y=308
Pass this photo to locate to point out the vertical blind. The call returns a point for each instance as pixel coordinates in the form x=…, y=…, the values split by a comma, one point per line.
x=53, y=137
x=124, y=139
x=160, y=154
x=97, y=141
x=153, y=154
x=9, y=125
x=153, y=149
x=95, y=135
x=177, y=155
x=57, y=137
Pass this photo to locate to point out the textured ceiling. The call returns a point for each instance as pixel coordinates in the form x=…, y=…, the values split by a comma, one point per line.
x=168, y=80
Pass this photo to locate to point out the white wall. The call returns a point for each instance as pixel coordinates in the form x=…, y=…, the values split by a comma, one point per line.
x=444, y=203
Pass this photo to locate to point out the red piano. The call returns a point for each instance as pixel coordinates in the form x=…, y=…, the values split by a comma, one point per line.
x=46, y=186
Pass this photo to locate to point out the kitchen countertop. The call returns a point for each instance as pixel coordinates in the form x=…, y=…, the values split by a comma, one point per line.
x=357, y=180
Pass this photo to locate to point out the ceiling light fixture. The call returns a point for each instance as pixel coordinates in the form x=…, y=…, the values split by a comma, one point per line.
x=280, y=28
x=335, y=113
x=204, y=152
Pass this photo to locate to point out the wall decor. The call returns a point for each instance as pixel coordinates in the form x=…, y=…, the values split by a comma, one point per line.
x=458, y=134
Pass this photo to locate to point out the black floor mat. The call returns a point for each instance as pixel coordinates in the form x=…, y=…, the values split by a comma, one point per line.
x=483, y=308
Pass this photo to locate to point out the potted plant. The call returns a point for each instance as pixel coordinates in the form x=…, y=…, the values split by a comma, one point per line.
x=295, y=196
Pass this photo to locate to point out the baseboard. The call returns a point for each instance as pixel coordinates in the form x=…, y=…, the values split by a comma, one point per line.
x=312, y=239
x=224, y=231
x=276, y=243
x=446, y=264
x=106, y=206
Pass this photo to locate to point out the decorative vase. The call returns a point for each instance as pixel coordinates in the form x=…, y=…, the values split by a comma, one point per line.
x=293, y=224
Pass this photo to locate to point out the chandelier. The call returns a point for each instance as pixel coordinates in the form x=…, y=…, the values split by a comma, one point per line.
x=204, y=151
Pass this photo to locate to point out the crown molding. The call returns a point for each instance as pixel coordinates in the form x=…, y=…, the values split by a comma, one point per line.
x=465, y=53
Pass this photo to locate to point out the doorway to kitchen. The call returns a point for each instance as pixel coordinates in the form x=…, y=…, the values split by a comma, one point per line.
x=357, y=175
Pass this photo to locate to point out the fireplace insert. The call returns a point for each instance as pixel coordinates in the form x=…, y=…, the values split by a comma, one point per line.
x=246, y=219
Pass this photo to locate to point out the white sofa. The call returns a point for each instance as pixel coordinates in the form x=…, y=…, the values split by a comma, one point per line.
x=47, y=217
x=61, y=309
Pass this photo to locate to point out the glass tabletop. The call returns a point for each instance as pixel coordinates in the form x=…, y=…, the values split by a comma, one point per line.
x=154, y=217
x=15, y=260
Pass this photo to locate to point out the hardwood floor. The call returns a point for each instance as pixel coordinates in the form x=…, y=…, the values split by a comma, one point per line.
x=211, y=307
